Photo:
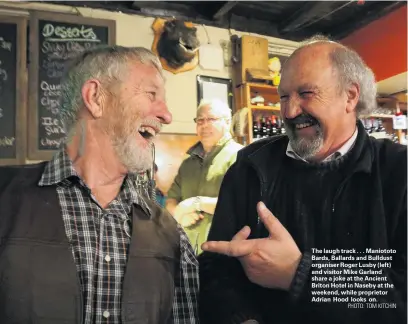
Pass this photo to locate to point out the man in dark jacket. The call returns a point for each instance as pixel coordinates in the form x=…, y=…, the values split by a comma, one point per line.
x=79, y=243
x=339, y=204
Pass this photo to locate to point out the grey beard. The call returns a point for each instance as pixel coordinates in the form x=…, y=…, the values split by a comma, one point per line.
x=305, y=148
x=134, y=158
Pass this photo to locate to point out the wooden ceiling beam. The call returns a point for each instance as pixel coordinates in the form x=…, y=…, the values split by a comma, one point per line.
x=224, y=9
x=307, y=12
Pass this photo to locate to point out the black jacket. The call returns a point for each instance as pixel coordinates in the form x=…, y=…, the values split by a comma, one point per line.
x=39, y=282
x=378, y=177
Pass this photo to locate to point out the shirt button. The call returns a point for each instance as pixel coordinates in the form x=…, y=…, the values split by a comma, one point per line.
x=107, y=258
x=106, y=314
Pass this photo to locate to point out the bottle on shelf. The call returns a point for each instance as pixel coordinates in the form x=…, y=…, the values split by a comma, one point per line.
x=264, y=132
x=282, y=127
x=367, y=125
x=374, y=125
x=274, y=126
x=267, y=127
x=375, y=128
x=257, y=128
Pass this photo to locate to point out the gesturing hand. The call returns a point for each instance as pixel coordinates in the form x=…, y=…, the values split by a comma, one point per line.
x=187, y=220
x=269, y=262
x=187, y=206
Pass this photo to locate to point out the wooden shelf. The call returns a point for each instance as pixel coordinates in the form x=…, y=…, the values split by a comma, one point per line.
x=243, y=95
x=268, y=108
x=262, y=86
x=378, y=116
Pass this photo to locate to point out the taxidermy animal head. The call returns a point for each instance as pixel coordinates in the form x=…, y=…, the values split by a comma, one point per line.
x=178, y=44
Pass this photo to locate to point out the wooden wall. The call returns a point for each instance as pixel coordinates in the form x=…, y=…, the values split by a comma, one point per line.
x=170, y=152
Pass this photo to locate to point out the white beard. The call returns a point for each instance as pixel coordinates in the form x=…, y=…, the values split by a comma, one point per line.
x=135, y=157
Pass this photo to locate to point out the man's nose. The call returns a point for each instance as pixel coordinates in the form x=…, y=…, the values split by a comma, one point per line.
x=291, y=108
x=163, y=113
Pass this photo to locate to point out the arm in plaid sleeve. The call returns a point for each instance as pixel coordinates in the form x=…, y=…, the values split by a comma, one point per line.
x=185, y=308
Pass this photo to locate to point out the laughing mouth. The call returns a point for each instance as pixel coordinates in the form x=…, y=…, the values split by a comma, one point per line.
x=147, y=132
x=304, y=125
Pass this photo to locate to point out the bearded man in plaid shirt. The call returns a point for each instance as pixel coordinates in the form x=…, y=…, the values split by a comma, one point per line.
x=79, y=242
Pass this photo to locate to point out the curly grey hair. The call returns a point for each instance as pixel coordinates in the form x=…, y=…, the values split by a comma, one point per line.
x=351, y=69
x=108, y=64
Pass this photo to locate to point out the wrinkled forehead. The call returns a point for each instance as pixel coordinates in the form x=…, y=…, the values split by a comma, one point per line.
x=145, y=74
x=309, y=66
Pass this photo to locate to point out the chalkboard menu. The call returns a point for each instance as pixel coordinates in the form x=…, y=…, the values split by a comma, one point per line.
x=12, y=90
x=55, y=40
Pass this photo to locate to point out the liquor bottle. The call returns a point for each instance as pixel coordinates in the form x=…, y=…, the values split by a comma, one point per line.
x=374, y=125
x=278, y=125
x=274, y=130
x=282, y=128
x=264, y=133
x=256, y=129
x=380, y=126
x=268, y=127
x=368, y=125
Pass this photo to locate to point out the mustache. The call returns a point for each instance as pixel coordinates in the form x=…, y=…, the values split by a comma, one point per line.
x=301, y=119
x=154, y=123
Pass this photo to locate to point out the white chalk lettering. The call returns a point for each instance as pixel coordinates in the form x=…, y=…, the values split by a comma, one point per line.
x=46, y=142
x=57, y=33
x=3, y=73
x=50, y=90
x=7, y=141
x=64, y=51
x=5, y=44
x=52, y=126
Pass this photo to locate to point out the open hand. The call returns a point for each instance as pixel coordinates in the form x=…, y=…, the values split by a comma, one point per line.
x=190, y=219
x=186, y=206
x=270, y=262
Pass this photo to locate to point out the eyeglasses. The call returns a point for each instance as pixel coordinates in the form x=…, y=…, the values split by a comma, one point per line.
x=211, y=120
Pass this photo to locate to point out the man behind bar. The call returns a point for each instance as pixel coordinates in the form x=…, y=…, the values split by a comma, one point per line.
x=329, y=186
x=78, y=242
x=194, y=192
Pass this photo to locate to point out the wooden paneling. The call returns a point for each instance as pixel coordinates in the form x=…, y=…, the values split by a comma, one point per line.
x=252, y=53
x=170, y=152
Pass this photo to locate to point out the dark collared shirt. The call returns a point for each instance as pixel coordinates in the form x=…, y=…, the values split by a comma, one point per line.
x=100, y=239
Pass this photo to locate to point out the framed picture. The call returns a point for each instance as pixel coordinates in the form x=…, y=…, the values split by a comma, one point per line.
x=214, y=88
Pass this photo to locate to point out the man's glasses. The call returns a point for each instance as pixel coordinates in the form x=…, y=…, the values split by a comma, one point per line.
x=210, y=120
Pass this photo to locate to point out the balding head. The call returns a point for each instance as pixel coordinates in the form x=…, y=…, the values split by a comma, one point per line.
x=348, y=66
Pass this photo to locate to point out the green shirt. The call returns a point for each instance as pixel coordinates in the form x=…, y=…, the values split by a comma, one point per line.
x=202, y=175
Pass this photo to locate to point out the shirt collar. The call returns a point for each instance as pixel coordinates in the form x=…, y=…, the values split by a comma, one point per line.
x=340, y=152
x=60, y=170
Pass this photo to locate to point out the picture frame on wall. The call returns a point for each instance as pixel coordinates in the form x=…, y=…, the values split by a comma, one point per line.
x=215, y=88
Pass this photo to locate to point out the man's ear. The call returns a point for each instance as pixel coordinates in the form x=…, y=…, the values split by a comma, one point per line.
x=353, y=95
x=93, y=97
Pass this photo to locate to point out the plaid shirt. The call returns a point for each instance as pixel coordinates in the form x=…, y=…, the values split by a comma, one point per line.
x=100, y=240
